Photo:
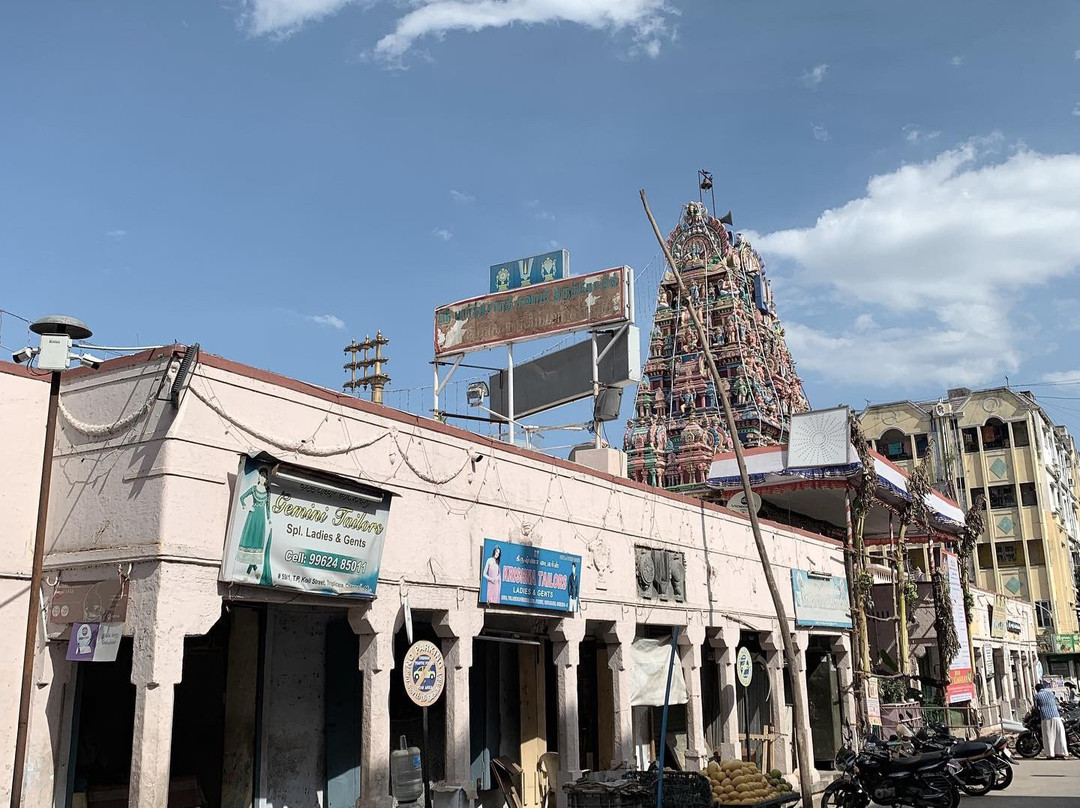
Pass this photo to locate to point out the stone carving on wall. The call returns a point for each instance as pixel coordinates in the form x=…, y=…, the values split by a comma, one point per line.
x=661, y=574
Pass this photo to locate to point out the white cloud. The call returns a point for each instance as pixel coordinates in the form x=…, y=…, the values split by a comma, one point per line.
x=1076, y=110
x=815, y=76
x=944, y=252
x=116, y=234
x=442, y=233
x=283, y=17
x=646, y=20
x=1059, y=376
x=957, y=61
x=538, y=210
x=913, y=134
x=462, y=197
x=1076, y=55
x=327, y=319
x=819, y=132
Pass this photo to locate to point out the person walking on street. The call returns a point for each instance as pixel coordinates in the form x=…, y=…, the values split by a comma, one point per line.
x=1053, y=728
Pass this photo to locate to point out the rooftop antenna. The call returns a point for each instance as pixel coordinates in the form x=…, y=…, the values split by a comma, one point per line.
x=705, y=183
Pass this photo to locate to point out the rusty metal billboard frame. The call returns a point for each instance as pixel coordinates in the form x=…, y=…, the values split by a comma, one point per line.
x=509, y=311
x=624, y=318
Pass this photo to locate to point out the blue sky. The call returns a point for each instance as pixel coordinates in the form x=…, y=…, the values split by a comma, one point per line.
x=274, y=177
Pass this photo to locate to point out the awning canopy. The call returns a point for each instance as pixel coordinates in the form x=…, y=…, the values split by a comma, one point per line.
x=819, y=492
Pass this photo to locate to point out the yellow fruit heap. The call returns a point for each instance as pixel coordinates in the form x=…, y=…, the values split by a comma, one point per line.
x=737, y=783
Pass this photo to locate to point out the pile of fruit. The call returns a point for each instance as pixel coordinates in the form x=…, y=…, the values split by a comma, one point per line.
x=737, y=783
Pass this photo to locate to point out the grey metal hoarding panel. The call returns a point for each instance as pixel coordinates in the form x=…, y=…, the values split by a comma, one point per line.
x=564, y=376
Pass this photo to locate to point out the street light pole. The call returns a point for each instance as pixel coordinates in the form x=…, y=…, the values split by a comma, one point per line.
x=57, y=332
x=33, y=615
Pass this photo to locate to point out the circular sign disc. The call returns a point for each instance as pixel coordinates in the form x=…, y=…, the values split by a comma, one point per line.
x=744, y=667
x=424, y=672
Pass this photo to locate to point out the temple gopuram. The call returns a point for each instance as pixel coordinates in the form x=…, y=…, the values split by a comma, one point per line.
x=679, y=423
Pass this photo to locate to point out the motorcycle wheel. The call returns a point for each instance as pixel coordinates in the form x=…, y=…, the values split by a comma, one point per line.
x=1004, y=779
x=976, y=779
x=1028, y=745
x=842, y=795
x=949, y=798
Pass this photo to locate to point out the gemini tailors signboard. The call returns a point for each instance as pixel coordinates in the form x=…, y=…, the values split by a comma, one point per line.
x=961, y=686
x=820, y=600
x=518, y=575
x=537, y=310
x=294, y=529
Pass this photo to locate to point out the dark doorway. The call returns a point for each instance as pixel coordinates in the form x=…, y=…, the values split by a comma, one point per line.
x=104, y=719
x=588, y=705
x=823, y=700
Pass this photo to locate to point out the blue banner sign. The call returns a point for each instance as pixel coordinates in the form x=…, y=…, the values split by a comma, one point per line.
x=552, y=266
x=516, y=575
x=820, y=600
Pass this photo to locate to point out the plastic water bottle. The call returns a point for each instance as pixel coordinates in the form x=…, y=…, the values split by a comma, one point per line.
x=406, y=774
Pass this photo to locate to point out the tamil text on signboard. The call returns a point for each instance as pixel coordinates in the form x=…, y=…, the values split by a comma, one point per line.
x=516, y=575
x=295, y=530
x=820, y=600
x=558, y=307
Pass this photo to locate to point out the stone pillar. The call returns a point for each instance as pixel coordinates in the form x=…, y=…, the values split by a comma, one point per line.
x=375, y=627
x=697, y=752
x=619, y=639
x=782, y=722
x=1008, y=692
x=457, y=628
x=567, y=635
x=845, y=675
x=725, y=640
x=168, y=602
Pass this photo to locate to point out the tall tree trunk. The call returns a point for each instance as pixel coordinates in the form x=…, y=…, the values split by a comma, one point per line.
x=798, y=681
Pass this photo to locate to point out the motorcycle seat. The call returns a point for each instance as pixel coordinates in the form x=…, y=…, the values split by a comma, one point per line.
x=966, y=749
x=918, y=761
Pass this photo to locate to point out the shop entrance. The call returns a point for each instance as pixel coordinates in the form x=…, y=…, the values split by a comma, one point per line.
x=823, y=701
x=103, y=720
x=513, y=720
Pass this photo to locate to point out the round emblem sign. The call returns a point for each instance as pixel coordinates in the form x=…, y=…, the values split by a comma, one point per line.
x=744, y=667
x=424, y=671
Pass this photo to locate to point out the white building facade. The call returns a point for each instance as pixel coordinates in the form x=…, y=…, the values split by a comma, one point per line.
x=242, y=695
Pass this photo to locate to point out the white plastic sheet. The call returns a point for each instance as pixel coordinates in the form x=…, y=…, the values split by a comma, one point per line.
x=649, y=677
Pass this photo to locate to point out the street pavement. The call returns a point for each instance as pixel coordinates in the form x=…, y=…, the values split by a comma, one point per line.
x=1037, y=784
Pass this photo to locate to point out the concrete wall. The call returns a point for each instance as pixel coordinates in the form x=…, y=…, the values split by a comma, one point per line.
x=164, y=488
x=23, y=405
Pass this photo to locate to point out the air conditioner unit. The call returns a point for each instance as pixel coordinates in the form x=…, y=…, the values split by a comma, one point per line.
x=942, y=408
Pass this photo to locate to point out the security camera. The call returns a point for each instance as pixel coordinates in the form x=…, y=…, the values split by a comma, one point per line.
x=90, y=361
x=25, y=355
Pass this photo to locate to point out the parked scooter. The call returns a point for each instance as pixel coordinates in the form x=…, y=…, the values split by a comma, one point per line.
x=922, y=781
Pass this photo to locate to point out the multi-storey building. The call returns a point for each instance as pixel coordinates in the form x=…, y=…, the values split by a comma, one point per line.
x=999, y=442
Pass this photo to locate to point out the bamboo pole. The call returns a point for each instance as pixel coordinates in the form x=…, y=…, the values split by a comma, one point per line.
x=904, y=654
x=798, y=683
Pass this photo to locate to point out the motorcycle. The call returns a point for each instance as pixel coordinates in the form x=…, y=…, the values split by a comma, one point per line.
x=985, y=763
x=1029, y=743
x=922, y=781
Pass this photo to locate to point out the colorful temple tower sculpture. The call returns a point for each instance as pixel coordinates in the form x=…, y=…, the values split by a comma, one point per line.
x=679, y=424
